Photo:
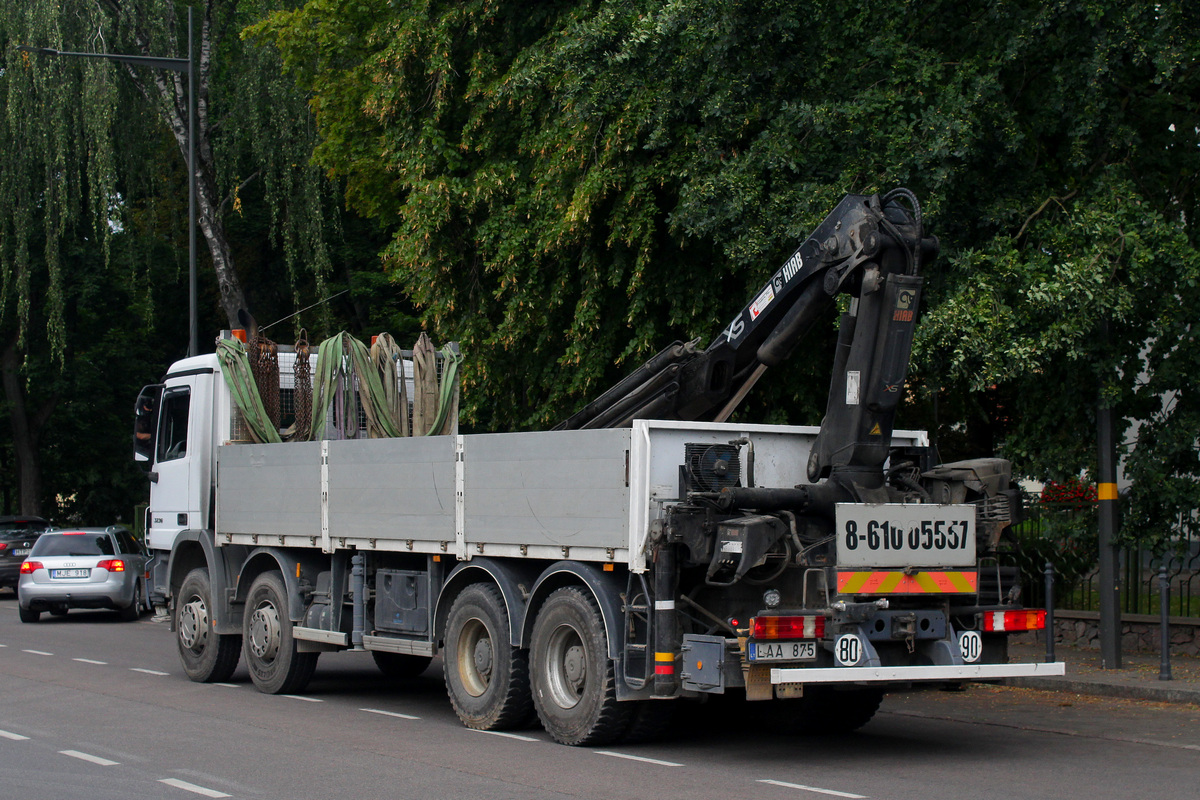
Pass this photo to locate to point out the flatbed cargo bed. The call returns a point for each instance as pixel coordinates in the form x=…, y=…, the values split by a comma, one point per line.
x=586, y=495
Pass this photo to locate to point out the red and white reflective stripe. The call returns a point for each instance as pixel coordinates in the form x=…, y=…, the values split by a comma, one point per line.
x=1004, y=621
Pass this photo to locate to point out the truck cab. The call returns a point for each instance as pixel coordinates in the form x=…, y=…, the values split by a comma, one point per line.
x=178, y=423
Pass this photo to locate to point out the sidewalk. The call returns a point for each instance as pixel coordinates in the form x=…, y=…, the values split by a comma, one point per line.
x=1137, y=679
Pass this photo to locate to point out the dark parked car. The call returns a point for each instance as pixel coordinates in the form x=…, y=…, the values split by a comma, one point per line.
x=83, y=568
x=17, y=535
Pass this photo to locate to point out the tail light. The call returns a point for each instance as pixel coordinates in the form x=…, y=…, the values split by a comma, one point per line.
x=1004, y=621
x=29, y=567
x=787, y=627
x=112, y=565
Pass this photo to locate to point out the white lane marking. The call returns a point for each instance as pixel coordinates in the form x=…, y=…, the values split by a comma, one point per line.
x=104, y=762
x=147, y=671
x=191, y=787
x=90, y=661
x=16, y=737
x=388, y=713
x=815, y=789
x=516, y=736
x=302, y=697
x=38, y=652
x=227, y=685
x=638, y=758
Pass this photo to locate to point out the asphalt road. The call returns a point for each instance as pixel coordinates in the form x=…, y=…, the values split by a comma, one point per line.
x=96, y=708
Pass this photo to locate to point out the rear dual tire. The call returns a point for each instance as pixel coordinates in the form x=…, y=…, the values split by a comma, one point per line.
x=275, y=665
x=400, y=665
x=487, y=679
x=574, y=683
x=824, y=710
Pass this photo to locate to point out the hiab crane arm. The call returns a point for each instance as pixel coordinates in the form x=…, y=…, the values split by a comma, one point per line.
x=871, y=248
x=868, y=247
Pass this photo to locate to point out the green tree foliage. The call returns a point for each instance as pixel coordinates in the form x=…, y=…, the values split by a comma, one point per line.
x=93, y=210
x=572, y=185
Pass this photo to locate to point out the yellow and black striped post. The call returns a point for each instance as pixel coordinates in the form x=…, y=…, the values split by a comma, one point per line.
x=1110, y=583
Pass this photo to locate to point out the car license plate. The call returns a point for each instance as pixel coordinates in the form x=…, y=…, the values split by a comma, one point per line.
x=783, y=651
x=70, y=573
x=22, y=552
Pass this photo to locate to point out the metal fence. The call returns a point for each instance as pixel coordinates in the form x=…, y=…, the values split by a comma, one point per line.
x=1066, y=536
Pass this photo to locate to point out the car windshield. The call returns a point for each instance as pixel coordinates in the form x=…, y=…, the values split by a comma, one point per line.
x=20, y=527
x=79, y=544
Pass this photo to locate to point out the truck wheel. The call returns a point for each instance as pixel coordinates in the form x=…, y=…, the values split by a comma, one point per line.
x=824, y=710
x=275, y=665
x=28, y=614
x=207, y=656
x=400, y=665
x=649, y=721
x=487, y=678
x=574, y=688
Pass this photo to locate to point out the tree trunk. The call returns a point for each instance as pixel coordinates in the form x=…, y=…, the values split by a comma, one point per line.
x=171, y=100
x=26, y=431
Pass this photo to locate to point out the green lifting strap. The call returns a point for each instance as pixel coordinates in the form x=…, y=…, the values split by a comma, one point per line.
x=450, y=362
x=235, y=367
x=370, y=386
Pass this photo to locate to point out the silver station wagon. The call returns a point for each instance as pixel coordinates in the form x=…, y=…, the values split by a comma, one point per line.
x=83, y=568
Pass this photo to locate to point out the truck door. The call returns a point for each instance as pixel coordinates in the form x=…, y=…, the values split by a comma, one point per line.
x=170, y=489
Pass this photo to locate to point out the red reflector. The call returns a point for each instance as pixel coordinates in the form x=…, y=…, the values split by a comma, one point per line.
x=787, y=627
x=1003, y=621
x=28, y=567
x=3, y=545
x=112, y=565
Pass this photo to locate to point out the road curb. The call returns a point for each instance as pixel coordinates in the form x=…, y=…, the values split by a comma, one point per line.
x=1158, y=694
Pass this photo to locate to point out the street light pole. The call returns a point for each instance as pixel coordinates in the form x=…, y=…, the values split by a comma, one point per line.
x=174, y=65
x=193, y=325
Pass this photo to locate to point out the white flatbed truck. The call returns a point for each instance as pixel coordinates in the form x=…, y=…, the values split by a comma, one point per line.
x=594, y=574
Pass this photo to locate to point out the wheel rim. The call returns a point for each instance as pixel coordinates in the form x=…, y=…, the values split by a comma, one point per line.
x=474, y=657
x=265, y=633
x=566, y=666
x=193, y=624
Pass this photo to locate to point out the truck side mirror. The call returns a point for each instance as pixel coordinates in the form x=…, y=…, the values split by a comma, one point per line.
x=145, y=424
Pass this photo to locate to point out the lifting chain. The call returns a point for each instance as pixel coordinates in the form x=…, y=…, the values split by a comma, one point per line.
x=302, y=399
x=264, y=364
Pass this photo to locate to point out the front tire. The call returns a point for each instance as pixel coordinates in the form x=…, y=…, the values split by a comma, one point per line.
x=207, y=656
x=574, y=685
x=487, y=678
x=275, y=665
